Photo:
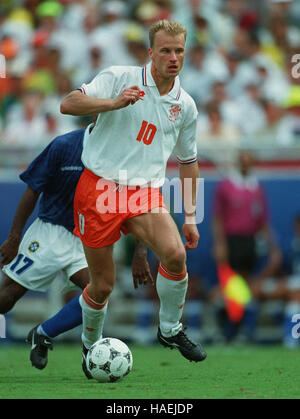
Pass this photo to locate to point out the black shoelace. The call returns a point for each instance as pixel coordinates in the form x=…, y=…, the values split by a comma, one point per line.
x=186, y=341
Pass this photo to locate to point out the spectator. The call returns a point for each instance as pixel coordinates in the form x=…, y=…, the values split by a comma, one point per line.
x=274, y=83
x=91, y=68
x=136, y=43
x=229, y=108
x=195, y=77
x=240, y=73
x=279, y=38
x=58, y=123
x=223, y=21
x=217, y=140
x=289, y=127
x=268, y=136
x=252, y=116
x=111, y=32
x=149, y=11
x=73, y=49
x=26, y=117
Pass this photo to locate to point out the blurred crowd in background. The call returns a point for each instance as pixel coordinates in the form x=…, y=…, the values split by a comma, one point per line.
x=240, y=68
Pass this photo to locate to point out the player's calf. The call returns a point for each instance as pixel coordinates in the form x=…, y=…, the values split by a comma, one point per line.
x=175, y=259
x=10, y=293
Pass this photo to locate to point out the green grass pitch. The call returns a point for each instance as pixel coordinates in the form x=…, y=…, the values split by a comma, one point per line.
x=158, y=373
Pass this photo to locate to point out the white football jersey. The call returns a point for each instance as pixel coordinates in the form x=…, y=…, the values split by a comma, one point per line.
x=132, y=145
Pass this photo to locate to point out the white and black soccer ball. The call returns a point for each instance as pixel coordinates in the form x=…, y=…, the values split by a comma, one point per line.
x=109, y=360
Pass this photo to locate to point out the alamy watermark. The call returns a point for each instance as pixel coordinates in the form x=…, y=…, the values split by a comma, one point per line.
x=2, y=67
x=2, y=327
x=122, y=198
x=296, y=328
x=296, y=68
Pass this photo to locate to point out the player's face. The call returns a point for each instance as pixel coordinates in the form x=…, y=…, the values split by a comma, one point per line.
x=167, y=54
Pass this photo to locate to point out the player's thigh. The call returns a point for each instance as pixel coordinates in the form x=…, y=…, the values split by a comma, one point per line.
x=159, y=232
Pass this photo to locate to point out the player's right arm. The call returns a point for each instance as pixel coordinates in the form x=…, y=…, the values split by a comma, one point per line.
x=9, y=248
x=78, y=104
x=141, y=273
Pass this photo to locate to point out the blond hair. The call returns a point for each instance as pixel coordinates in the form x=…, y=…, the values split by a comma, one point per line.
x=171, y=28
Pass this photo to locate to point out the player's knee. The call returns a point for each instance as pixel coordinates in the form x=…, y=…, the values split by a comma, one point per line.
x=175, y=259
x=101, y=291
x=10, y=293
x=105, y=290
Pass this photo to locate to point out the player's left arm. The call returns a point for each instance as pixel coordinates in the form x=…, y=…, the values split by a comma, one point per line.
x=141, y=273
x=188, y=176
x=9, y=247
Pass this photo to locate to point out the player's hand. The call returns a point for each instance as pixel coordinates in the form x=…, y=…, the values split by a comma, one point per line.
x=190, y=232
x=9, y=249
x=129, y=96
x=140, y=270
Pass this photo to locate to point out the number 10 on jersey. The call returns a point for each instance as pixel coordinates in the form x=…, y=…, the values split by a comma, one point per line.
x=146, y=133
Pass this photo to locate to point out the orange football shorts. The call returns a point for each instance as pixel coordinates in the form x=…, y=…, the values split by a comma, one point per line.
x=102, y=206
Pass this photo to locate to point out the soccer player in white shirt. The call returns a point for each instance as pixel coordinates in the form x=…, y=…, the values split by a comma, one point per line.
x=129, y=148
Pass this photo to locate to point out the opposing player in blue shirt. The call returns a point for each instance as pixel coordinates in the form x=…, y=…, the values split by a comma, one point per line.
x=49, y=246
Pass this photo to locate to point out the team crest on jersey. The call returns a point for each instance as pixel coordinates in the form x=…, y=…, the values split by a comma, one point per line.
x=34, y=246
x=142, y=94
x=174, y=112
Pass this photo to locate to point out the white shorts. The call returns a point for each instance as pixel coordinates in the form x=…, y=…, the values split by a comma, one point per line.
x=45, y=251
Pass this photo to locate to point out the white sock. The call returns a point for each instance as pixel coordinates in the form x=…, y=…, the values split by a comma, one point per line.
x=171, y=289
x=93, y=316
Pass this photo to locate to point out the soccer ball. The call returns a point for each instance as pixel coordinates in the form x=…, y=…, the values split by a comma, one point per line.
x=109, y=360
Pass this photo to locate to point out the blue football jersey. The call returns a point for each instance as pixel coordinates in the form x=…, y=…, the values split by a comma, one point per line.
x=54, y=173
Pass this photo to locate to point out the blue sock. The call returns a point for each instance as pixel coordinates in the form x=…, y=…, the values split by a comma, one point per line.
x=67, y=318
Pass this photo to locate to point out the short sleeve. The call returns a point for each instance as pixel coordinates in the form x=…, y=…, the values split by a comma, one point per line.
x=102, y=86
x=186, y=146
x=42, y=169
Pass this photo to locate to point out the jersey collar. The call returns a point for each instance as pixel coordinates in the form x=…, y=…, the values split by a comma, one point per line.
x=148, y=80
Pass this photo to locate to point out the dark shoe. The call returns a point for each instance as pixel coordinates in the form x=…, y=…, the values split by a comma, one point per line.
x=84, y=367
x=39, y=348
x=189, y=349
